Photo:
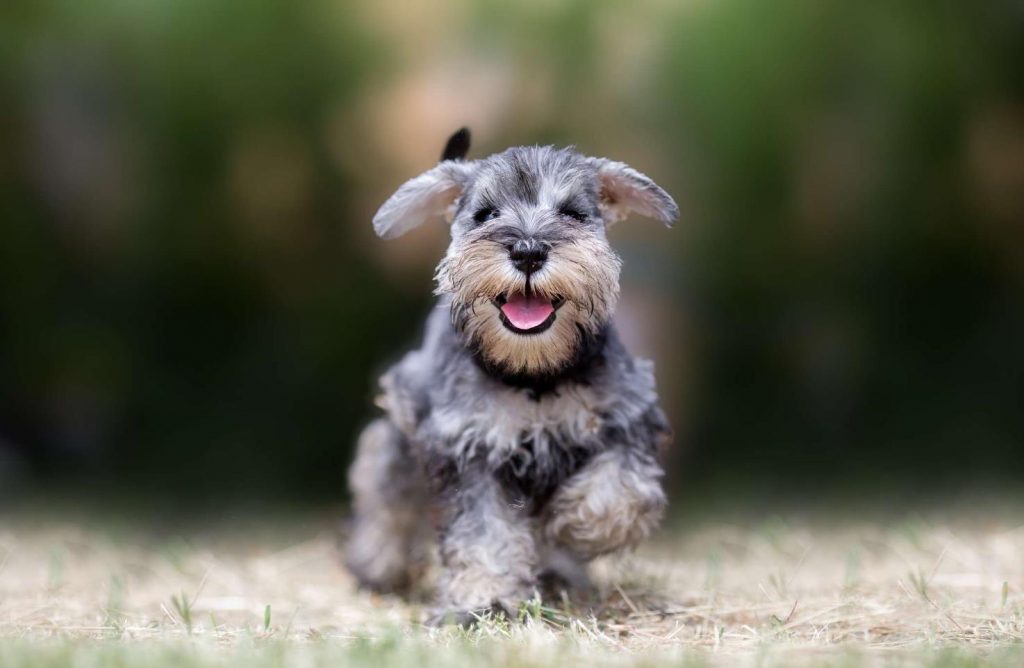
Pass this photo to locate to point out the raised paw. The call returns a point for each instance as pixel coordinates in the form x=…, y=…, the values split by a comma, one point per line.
x=608, y=506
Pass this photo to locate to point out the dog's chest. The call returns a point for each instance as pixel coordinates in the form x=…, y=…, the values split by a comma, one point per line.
x=511, y=424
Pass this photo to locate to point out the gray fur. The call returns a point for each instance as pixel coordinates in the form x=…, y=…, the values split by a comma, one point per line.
x=530, y=453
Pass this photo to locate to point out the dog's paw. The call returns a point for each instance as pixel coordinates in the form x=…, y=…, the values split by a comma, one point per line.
x=374, y=571
x=467, y=619
x=604, y=509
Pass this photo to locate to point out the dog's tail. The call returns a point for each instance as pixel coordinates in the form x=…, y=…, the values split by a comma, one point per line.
x=457, y=146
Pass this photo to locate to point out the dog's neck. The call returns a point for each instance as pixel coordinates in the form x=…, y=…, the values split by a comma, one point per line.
x=588, y=356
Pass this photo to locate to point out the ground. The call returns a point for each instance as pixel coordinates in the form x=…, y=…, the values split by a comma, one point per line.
x=777, y=591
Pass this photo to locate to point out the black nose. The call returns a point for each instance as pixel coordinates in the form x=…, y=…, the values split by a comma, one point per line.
x=528, y=255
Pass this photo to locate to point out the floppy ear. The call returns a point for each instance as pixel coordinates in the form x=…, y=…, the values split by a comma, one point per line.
x=428, y=195
x=625, y=190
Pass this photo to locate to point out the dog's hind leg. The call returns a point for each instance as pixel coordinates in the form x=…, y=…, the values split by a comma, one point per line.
x=390, y=527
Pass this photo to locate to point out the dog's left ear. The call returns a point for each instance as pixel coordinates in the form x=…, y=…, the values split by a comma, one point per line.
x=424, y=197
x=625, y=190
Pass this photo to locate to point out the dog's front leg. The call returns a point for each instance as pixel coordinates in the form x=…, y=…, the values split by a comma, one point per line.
x=488, y=552
x=613, y=502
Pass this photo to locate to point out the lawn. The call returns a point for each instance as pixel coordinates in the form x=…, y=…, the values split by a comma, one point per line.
x=921, y=590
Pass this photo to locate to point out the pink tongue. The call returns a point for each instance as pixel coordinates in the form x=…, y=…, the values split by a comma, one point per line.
x=526, y=312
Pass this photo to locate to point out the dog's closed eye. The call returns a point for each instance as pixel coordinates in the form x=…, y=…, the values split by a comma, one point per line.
x=572, y=212
x=486, y=213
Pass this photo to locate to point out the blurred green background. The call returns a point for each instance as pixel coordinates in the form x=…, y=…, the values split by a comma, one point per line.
x=193, y=306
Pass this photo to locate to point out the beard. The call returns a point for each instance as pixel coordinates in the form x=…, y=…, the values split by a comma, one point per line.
x=530, y=326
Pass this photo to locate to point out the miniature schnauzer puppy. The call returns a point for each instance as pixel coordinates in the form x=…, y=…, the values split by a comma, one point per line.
x=522, y=435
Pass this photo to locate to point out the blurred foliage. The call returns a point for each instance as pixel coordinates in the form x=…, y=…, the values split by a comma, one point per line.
x=859, y=283
x=178, y=304
x=189, y=303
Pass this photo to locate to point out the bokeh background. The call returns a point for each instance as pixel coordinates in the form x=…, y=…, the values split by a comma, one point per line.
x=193, y=307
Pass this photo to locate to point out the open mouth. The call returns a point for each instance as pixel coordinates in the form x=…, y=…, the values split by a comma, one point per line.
x=527, y=314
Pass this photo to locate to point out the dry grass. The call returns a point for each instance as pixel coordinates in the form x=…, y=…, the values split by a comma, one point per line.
x=775, y=593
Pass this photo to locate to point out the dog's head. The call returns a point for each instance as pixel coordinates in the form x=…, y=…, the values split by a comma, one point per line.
x=529, y=271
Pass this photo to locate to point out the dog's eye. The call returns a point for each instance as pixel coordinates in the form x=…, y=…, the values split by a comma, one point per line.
x=575, y=214
x=485, y=214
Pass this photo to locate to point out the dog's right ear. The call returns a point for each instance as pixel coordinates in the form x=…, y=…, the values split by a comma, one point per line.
x=428, y=195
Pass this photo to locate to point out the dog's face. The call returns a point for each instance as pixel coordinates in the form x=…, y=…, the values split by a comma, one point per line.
x=529, y=271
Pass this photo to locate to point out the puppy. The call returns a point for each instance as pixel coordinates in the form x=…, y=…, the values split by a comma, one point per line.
x=522, y=435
